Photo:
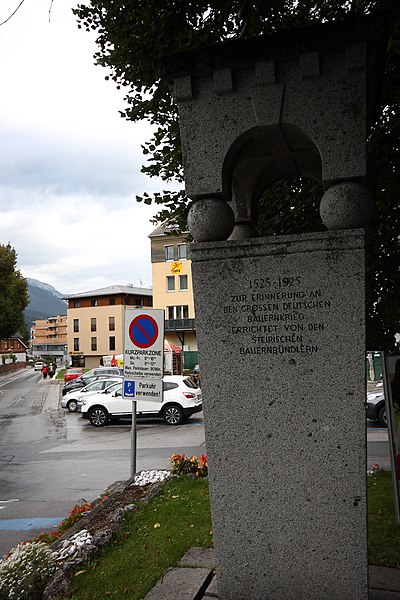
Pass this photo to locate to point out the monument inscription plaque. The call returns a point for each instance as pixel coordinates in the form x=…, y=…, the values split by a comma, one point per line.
x=287, y=484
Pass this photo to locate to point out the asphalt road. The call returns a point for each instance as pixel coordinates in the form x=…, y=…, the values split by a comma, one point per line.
x=50, y=458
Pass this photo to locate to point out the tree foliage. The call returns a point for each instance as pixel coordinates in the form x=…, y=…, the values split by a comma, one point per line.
x=133, y=35
x=13, y=293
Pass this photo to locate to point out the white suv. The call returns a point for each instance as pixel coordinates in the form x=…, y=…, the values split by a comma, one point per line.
x=181, y=399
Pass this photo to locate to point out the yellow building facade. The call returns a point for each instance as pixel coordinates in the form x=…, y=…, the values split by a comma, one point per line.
x=173, y=290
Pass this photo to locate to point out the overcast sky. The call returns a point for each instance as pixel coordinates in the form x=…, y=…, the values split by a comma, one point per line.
x=69, y=164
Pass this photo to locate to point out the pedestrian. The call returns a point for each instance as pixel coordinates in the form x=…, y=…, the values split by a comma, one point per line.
x=51, y=370
x=44, y=371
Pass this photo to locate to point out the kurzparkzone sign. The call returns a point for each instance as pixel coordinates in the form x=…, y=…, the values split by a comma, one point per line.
x=144, y=343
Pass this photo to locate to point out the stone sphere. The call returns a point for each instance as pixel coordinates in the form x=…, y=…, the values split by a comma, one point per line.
x=211, y=220
x=346, y=205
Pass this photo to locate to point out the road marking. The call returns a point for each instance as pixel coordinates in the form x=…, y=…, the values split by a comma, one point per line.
x=28, y=524
x=7, y=502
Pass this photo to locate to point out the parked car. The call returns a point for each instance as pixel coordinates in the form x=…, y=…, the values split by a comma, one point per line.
x=376, y=409
x=112, y=387
x=81, y=382
x=71, y=399
x=38, y=366
x=105, y=371
x=182, y=398
x=72, y=373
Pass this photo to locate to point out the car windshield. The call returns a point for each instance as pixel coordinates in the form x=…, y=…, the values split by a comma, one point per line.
x=75, y=381
x=86, y=380
x=95, y=385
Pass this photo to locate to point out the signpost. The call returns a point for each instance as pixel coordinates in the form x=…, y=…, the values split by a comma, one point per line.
x=143, y=361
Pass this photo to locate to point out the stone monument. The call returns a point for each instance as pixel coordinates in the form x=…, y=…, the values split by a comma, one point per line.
x=280, y=320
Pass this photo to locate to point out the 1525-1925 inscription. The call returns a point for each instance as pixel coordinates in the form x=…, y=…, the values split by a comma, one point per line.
x=278, y=315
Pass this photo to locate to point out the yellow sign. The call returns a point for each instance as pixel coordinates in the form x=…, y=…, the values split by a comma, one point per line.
x=176, y=267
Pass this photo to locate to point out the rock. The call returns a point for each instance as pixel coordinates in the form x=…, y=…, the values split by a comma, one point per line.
x=58, y=586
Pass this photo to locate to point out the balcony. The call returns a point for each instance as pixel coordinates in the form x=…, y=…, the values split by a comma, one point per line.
x=180, y=325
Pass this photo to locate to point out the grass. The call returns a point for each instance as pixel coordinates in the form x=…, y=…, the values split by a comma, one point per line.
x=156, y=536
x=154, y=539
x=383, y=529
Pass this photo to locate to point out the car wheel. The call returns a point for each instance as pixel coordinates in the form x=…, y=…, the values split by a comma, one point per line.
x=382, y=417
x=173, y=414
x=72, y=405
x=98, y=416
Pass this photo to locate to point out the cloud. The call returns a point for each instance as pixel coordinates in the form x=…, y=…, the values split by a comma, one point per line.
x=69, y=164
x=81, y=244
x=63, y=166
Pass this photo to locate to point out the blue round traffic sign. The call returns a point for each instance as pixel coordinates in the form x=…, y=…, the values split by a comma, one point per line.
x=143, y=331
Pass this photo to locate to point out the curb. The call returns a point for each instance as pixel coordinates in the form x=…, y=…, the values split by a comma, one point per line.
x=110, y=521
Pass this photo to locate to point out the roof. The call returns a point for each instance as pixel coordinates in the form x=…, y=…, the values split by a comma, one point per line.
x=167, y=228
x=111, y=291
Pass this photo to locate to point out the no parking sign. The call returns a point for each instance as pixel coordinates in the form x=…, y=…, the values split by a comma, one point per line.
x=144, y=343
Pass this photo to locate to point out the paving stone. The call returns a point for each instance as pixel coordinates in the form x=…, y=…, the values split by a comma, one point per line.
x=212, y=591
x=181, y=584
x=383, y=595
x=384, y=578
x=198, y=557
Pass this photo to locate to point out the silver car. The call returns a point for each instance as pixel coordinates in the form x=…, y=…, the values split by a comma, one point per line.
x=376, y=410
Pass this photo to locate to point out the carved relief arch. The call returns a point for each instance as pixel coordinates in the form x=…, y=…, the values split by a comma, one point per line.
x=259, y=157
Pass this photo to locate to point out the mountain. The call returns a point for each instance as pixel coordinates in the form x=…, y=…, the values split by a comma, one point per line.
x=44, y=286
x=44, y=302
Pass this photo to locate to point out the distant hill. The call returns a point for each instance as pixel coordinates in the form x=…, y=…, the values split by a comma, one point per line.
x=44, y=302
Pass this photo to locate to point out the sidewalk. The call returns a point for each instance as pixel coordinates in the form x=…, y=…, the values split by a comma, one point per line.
x=53, y=397
x=194, y=578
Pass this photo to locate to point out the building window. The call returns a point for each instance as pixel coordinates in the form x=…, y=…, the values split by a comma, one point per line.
x=138, y=302
x=169, y=253
x=93, y=342
x=112, y=301
x=178, y=312
x=93, y=326
x=111, y=323
x=76, y=304
x=76, y=325
x=93, y=303
x=76, y=344
x=183, y=282
x=170, y=283
x=182, y=252
x=112, y=342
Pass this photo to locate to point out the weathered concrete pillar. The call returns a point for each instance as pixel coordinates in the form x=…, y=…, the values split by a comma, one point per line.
x=280, y=325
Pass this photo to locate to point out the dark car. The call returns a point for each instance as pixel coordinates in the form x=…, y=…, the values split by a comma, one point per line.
x=81, y=382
